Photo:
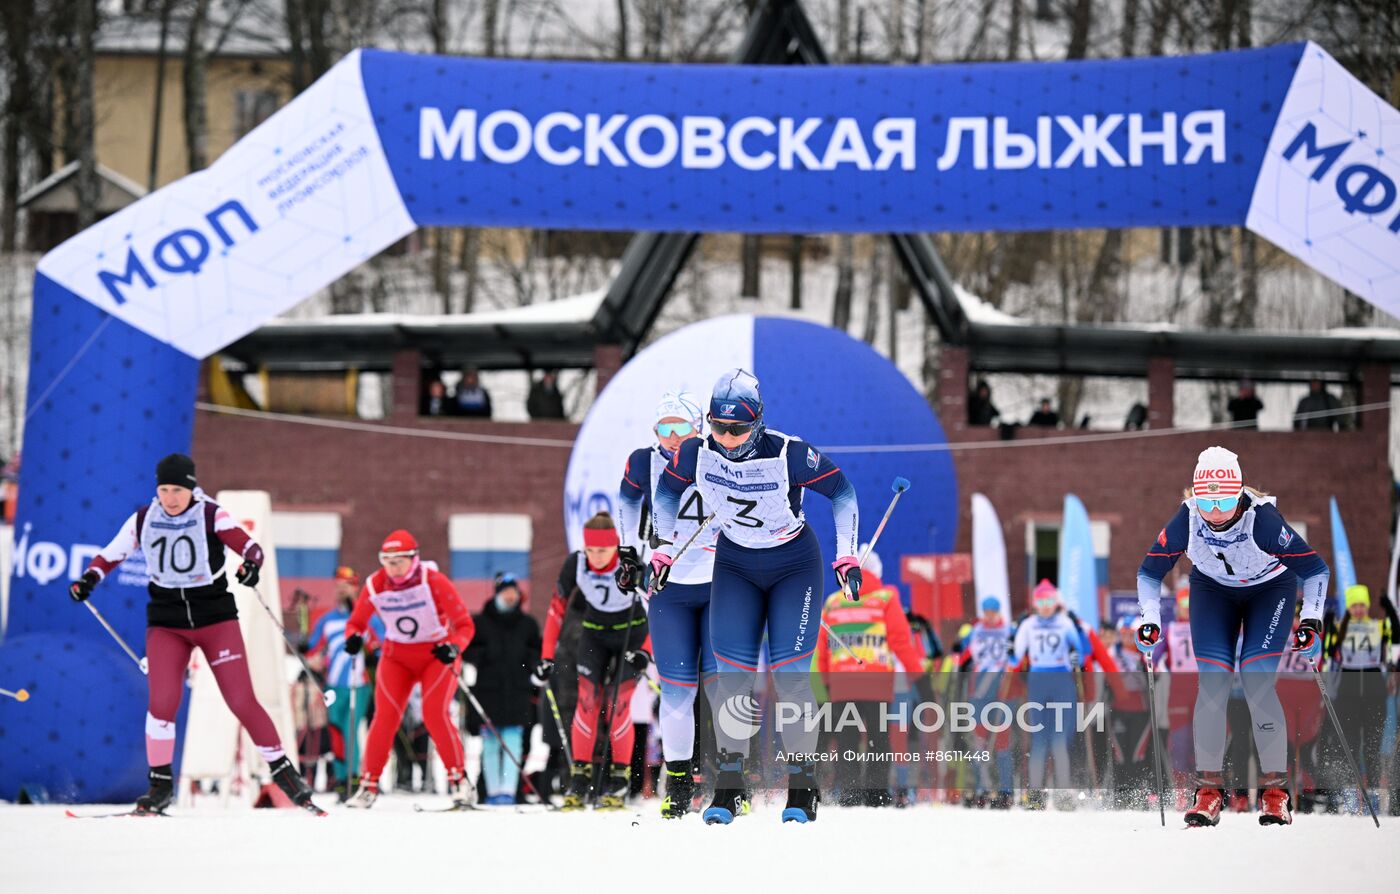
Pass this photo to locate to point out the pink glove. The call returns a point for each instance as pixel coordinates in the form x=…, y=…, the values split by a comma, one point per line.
x=660, y=569
x=848, y=575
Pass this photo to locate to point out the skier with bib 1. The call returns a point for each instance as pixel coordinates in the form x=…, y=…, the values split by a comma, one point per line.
x=680, y=616
x=768, y=577
x=183, y=535
x=426, y=627
x=1247, y=564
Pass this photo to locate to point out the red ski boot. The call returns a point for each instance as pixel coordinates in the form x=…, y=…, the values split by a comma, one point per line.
x=1275, y=807
x=1210, y=798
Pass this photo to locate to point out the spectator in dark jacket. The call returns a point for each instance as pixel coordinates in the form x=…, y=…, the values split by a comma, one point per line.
x=1045, y=417
x=1317, y=400
x=545, y=401
x=980, y=409
x=1245, y=406
x=504, y=651
x=471, y=398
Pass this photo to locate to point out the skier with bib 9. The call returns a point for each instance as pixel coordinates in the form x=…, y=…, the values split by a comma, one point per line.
x=426, y=627
x=1247, y=564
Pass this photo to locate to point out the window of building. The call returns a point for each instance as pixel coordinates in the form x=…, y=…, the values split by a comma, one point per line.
x=253, y=107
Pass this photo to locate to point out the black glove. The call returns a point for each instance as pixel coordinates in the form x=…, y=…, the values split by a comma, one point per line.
x=543, y=671
x=354, y=643
x=81, y=588
x=638, y=658
x=446, y=652
x=629, y=570
x=248, y=573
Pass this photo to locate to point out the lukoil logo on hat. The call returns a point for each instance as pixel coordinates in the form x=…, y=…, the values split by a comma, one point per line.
x=1217, y=474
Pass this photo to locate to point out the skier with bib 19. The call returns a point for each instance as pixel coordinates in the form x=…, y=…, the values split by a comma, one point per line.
x=768, y=576
x=426, y=627
x=679, y=617
x=1247, y=565
x=183, y=535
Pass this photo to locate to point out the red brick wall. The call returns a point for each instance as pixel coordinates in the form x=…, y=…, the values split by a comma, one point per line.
x=379, y=482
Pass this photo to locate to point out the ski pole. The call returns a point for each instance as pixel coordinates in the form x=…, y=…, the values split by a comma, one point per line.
x=352, y=746
x=19, y=695
x=559, y=723
x=610, y=709
x=899, y=486
x=1342, y=737
x=140, y=662
x=327, y=695
x=680, y=552
x=1156, y=739
x=486, y=719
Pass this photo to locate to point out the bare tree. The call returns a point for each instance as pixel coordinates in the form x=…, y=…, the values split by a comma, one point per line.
x=195, y=78
x=84, y=121
x=15, y=19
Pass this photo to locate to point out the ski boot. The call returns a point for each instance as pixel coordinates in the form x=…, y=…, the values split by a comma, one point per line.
x=580, y=781
x=161, y=793
x=1239, y=801
x=1002, y=801
x=1035, y=799
x=614, y=796
x=461, y=791
x=803, y=795
x=293, y=784
x=1274, y=803
x=1209, y=800
x=365, y=795
x=731, y=797
x=680, y=788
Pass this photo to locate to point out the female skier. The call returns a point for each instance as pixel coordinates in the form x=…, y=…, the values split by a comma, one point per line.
x=679, y=616
x=183, y=535
x=1247, y=563
x=426, y=627
x=613, y=650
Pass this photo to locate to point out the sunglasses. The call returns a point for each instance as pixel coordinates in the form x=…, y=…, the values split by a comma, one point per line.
x=672, y=429
x=730, y=428
x=1222, y=504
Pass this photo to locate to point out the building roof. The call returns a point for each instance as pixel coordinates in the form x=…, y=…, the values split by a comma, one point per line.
x=58, y=192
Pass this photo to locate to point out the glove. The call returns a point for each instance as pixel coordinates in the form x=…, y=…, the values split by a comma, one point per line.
x=1307, y=639
x=543, y=671
x=248, y=573
x=661, y=562
x=629, y=569
x=1146, y=638
x=638, y=658
x=354, y=643
x=848, y=576
x=82, y=588
x=446, y=652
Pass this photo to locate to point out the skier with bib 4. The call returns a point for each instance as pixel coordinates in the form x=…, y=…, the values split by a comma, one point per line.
x=680, y=616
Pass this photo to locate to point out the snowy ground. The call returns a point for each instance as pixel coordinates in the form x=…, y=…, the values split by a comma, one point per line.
x=850, y=850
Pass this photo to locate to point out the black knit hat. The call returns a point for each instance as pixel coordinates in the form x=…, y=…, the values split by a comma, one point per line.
x=176, y=469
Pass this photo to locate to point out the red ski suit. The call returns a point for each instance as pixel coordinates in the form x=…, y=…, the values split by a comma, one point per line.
x=413, y=627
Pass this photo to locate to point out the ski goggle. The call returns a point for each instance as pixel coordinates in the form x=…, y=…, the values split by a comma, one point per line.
x=730, y=428
x=405, y=554
x=1220, y=504
x=672, y=429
